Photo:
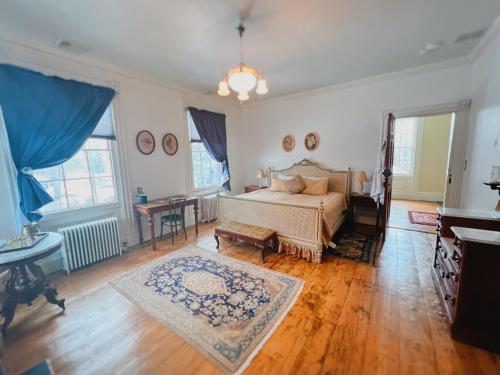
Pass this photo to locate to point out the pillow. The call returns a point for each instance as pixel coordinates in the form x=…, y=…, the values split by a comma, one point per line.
x=295, y=185
x=315, y=185
x=277, y=184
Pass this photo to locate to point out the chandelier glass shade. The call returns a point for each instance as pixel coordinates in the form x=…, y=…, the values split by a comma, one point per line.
x=242, y=79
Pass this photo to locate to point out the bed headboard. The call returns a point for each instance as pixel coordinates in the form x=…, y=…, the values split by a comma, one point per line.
x=339, y=181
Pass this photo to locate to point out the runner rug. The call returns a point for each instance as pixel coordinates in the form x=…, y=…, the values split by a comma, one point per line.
x=423, y=218
x=224, y=307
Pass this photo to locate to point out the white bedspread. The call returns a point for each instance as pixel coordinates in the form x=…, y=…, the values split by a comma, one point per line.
x=334, y=205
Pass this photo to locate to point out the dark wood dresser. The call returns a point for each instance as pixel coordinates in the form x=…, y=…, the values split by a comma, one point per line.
x=466, y=272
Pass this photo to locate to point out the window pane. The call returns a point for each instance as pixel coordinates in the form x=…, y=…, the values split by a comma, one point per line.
x=100, y=163
x=76, y=167
x=97, y=144
x=52, y=173
x=196, y=160
x=56, y=191
x=205, y=160
x=206, y=178
x=104, y=189
x=79, y=192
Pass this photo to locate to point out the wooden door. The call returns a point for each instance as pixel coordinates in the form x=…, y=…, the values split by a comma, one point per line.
x=389, y=158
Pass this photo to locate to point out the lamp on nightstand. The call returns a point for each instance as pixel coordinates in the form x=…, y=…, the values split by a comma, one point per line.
x=362, y=178
x=260, y=175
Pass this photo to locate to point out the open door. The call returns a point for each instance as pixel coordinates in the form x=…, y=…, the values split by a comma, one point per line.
x=387, y=173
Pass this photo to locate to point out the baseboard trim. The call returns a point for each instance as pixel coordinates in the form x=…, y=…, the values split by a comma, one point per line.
x=418, y=196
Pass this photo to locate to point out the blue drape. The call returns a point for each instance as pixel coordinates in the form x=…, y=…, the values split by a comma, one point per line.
x=211, y=127
x=47, y=119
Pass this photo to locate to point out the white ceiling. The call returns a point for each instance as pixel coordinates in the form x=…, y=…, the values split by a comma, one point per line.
x=298, y=45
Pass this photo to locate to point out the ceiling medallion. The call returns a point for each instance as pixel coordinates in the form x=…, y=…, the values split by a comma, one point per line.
x=242, y=78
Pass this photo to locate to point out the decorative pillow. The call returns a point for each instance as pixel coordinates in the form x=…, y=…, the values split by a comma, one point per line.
x=295, y=185
x=278, y=184
x=315, y=185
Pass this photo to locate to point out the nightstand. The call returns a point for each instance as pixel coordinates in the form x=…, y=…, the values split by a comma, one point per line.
x=250, y=188
x=365, y=202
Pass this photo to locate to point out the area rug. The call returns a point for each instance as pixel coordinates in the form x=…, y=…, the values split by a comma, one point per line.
x=224, y=307
x=359, y=247
x=423, y=218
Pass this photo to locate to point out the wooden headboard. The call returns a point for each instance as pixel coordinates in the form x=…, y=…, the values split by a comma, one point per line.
x=339, y=181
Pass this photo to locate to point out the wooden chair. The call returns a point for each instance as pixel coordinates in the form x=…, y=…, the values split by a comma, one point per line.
x=175, y=216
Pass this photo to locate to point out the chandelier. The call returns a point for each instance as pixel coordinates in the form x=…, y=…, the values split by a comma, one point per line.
x=242, y=78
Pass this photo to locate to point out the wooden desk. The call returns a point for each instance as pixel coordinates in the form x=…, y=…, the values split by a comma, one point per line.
x=156, y=206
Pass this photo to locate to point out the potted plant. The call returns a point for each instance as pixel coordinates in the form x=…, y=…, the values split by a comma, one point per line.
x=141, y=197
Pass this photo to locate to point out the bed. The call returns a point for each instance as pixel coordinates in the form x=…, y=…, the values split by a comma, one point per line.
x=305, y=223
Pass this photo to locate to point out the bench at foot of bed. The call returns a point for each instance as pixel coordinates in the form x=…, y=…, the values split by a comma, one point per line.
x=249, y=234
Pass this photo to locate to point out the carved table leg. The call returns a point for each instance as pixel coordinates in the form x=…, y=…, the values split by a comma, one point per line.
x=196, y=217
x=151, y=223
x=139, y=226
x=216, y=236
x=48, y=291
x=10, y=304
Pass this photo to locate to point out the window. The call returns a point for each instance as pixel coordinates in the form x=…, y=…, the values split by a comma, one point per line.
x=87, y=179
x=207, y=172
x=404, y=146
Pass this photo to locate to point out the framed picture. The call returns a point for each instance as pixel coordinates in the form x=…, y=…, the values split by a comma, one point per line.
x=170, y=144
x=145, y=142
x=311, y=141
x=288, y=143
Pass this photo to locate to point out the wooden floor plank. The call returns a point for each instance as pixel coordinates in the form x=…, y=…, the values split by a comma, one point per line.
x=350, y=319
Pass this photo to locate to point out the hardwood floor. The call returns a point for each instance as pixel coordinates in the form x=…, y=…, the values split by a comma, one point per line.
x=351, y=318
x=399, y=214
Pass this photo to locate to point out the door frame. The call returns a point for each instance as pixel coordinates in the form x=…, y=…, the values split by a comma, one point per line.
x=457, y=154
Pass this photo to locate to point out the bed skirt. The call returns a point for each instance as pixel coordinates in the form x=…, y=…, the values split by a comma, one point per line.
x=300, y=251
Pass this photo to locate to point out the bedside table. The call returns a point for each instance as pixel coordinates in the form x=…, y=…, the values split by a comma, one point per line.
x=366, y=202
x=250, y=188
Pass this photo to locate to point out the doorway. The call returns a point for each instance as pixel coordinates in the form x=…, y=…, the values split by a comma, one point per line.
x=423, y=154
x=420, y=169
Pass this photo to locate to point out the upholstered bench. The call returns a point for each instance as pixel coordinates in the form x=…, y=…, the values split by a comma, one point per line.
x=249, y=234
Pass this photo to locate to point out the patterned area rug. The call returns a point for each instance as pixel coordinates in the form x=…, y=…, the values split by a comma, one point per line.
x=356, y=246
x=224, y=307
x=423, y=218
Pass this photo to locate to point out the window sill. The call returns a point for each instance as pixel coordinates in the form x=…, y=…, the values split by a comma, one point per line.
x=52, y=220
x=207, y=190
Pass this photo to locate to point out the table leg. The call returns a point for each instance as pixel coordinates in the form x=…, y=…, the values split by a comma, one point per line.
x=24, y=288
x=151, y=223
x=139, y=226
x=196, y=217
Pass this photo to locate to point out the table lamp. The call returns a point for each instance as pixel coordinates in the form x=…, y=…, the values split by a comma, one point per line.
x=260, y=175
x=362, y=178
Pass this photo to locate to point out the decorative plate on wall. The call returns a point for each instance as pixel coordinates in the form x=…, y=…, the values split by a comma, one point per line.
x=145, y=142
x=311, y=141
x=170, y=144
x=288, y=142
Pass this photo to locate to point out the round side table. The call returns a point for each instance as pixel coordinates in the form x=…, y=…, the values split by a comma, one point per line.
x=27, y=280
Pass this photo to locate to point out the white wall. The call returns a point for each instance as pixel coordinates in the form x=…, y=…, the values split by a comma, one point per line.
x=348, y=119
x=140, y=104
x=483, y=149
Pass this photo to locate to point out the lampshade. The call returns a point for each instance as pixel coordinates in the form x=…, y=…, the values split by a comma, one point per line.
x=261, y=173
x=361, y=177
x=242, y=80
x=262, y=87
x=243, y=96
x=223, y=88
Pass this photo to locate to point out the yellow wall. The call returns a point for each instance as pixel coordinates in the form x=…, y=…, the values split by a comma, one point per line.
x=434, y=153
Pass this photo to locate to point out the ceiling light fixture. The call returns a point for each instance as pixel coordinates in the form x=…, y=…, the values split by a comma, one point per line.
x=242, y=78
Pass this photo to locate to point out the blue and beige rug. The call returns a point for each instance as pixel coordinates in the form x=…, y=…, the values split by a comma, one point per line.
x=224, y=307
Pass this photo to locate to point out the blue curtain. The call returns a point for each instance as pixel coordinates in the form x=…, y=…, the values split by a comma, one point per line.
x=211, y=127
x=47, y=119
